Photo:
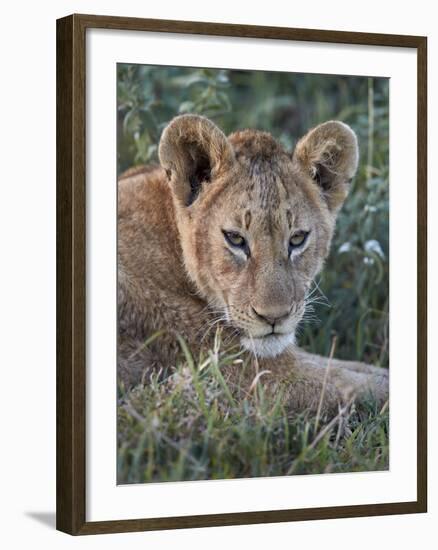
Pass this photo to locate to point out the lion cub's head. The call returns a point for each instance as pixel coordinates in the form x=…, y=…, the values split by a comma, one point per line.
x=256, y=222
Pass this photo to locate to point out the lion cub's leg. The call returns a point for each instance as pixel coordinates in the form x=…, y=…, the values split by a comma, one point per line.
x=355, y=366
x=303, y=378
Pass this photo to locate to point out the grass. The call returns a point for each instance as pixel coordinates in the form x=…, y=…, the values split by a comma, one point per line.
x=189, y=426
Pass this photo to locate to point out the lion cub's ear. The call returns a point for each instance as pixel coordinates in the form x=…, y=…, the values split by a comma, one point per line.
x=329, y=154
x=193, y=151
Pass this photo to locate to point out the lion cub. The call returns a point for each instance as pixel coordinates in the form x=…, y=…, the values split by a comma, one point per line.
x=231, y=232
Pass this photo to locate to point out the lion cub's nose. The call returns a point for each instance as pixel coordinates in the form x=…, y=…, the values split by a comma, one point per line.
x=272, y=314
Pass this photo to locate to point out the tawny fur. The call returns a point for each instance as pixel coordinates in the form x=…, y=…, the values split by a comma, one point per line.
x=177, y=274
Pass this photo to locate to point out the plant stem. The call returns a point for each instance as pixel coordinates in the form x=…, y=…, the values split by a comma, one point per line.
x=370, y=148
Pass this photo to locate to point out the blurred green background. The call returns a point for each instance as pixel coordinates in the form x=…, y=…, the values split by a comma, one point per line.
x=355, y=277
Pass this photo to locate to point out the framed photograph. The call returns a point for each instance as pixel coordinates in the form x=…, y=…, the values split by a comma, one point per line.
x=241, y=274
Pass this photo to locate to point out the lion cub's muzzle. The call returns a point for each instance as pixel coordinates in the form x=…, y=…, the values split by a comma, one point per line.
x=274, y=317
x=269, y=330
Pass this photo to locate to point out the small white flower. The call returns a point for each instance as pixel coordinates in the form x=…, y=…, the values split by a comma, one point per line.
x=368, y=261
x=374, y=246
x=346, y=247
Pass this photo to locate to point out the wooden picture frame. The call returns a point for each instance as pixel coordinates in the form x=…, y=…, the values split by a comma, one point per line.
x=71, y=273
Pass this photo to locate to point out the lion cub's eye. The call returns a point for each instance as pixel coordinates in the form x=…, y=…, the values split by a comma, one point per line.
x=298, y=239
x=236, y=240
